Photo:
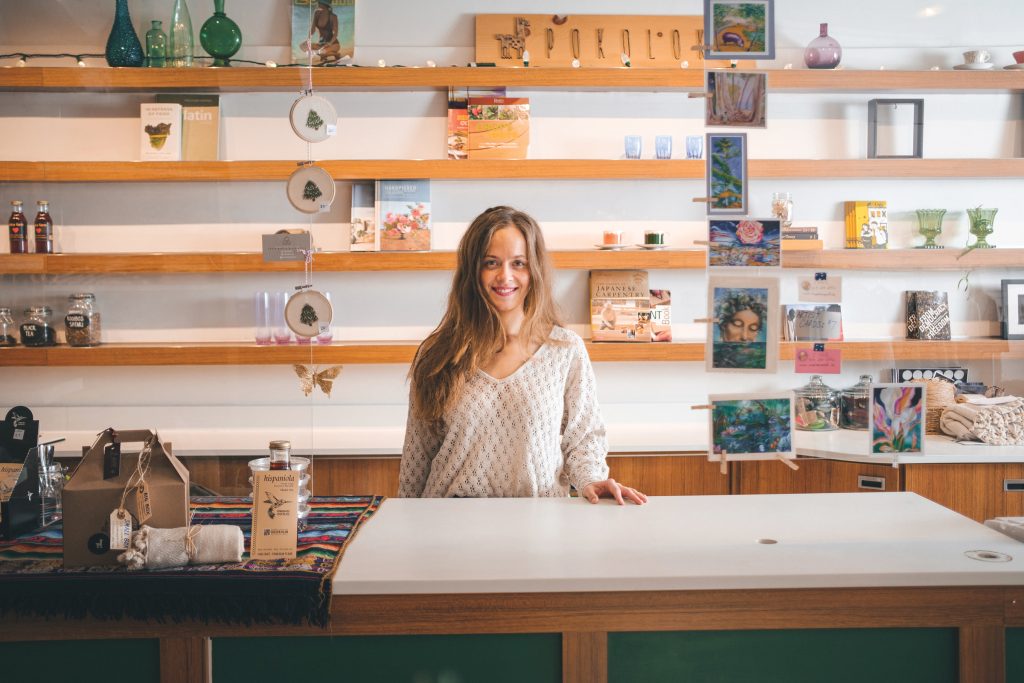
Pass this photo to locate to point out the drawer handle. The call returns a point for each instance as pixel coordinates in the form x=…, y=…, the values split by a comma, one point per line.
x=870, y=483
x=1013, y=485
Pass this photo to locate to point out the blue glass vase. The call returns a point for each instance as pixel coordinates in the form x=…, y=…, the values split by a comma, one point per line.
x=123, y=46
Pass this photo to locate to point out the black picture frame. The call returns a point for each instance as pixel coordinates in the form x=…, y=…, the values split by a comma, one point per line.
x=873, y=106
x=1012, y=322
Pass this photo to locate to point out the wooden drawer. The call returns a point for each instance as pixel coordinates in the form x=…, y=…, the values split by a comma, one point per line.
x=974, y=490
x=229, y=476
x=669, y=475
x=814, y=476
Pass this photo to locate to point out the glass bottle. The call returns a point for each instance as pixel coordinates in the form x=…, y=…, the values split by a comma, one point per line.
x=280, y=455
x=156, y=46
x=180, y=42
x=44, y=228
x=816, y=406
x=824, y=52
x=220, y=36
x=7, y=328
x=37, y=330
x=853, y=404
x=123, y=46
x=782, y=208
x=17, y=229
x=82, y=323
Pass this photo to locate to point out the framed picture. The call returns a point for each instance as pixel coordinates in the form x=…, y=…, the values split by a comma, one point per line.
x=895, y=129
x=744, y=242
x=736, y=98
x=896, y=418
x=726, y=173
x=739, y=29
x=1013, y=309
x=743, y=332
x=751, y=426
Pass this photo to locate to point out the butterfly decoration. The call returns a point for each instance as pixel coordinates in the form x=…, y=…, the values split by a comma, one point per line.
x=316, y=378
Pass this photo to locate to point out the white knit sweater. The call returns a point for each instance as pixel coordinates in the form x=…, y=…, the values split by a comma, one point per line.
x=531, y=434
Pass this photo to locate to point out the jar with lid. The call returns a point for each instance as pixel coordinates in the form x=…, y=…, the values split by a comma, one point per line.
x=82, y=323
x=37, y=329
x=816, y=406
x=782, y=208
x=280, y=455
x=44, y=228
x=7, y=328
x=17, y=229
x=853, y=404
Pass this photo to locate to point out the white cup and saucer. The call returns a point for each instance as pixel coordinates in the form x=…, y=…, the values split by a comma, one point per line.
x=976, y=60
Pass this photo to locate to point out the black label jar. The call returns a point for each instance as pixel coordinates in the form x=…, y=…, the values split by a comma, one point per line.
x=7, y=328
x=37, y=329
x=82, y=323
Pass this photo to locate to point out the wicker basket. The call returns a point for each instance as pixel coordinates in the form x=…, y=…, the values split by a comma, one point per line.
x=940, y=395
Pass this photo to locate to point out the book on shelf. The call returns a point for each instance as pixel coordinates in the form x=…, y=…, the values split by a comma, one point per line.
x=200, y=125
x=499, y=127
x=458, y=117
x=661, y=315
x=403, y=215
x=364, y=235
x=812, y=322
x=867, y=225
x=160, y=131
x=620, y=306
x=802, y=245
x=954, y=373
x=802, y=233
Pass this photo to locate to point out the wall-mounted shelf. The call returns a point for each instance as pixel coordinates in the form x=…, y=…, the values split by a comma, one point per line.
x=950, y=258
x=402, y=352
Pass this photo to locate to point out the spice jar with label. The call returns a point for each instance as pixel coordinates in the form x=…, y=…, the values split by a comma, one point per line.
x=82, y=323
x=853, y=404
x=7, y=328
x=44, y=228
x=816, y=406
x=37, y=329
x=17, y=229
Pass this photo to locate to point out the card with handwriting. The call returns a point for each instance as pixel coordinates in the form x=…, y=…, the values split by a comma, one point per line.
x=813, y=362
x=820, y=288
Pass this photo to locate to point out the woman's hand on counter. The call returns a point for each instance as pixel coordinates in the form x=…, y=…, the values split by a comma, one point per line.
x=609, y=488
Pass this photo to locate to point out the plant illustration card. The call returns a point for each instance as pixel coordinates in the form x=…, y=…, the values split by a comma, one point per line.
x=744, y=243
x=739, y=29
x=743, y=331
x=736, y=98
x=726, y=173
x=897, y=414
x=751, y=426
x=323, y=31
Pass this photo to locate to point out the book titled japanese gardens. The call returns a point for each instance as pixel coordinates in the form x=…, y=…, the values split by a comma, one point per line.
x=620, y=306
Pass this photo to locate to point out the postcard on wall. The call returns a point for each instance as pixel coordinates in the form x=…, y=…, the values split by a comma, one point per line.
x=812, y=361
x=820, y=288
x=275, y=507
x=751, y=426
x=620, y=306
x=726, y=173
x=736, y=98
x=364, y=235
x=742, y=333
x=897, y=414
x=403, y=215
x=744, y=243
x=739, y=29
x=812, y=322
x=160, y=131
x=323, y=31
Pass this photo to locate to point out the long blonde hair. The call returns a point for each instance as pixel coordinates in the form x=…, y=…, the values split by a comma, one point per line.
x=470, y=333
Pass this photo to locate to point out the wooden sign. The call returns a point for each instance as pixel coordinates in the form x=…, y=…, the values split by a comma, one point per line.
x=595, y=40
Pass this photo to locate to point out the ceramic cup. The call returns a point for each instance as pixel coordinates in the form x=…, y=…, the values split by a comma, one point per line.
x=1019, y=57
x=977, y=57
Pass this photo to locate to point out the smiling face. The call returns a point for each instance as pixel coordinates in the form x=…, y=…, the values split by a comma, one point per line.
x=743, y=326
x=505, y=272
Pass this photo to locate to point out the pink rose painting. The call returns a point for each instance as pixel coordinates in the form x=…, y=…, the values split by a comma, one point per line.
x=744, y=243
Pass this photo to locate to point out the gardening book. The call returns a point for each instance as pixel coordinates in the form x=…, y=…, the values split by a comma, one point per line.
x=620, y=306
x=200, y=125
x=160, y=131
x=364, y=235
x=499, y=127
x=403, y=215
x=458, y=117
x=661, y=315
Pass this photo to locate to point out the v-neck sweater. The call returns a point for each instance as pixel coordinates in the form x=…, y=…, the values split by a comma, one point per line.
x=533, y=433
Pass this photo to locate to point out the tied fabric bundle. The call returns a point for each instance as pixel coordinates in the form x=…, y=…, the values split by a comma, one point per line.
x=201, y=544
x=1001, y=424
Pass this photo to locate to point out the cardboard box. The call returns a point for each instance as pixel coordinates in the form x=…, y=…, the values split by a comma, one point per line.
x=89, y=498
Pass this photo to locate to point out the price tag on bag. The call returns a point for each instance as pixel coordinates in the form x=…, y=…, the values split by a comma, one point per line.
x=120, y=529
x=143, y=506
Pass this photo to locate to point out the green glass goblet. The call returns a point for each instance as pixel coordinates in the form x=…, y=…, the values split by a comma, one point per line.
x=930, y=225
x=220, y=36
x=981, y=226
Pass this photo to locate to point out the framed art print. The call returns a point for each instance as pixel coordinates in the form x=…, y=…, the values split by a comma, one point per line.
x=726, y=173
x=744, y=242
x=736, y=98
x=1013, y=309
x=743, y=331
x=739, y=29
x=751, y=426
x=896, y=418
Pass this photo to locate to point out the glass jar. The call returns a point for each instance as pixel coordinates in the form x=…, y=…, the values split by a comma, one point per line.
x=7, y=328
x=82, y=323
x=280, y=455
x=816, y=406
x=853, y=404
x=782, y=208
x=37, y=329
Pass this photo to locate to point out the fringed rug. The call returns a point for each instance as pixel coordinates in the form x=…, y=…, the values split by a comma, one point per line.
x=33, y=580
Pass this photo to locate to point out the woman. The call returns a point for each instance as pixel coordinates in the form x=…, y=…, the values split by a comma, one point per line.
x=503, y=400
x=740, y=317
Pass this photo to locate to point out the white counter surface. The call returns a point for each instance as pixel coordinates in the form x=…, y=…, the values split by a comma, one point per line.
x=672, y=543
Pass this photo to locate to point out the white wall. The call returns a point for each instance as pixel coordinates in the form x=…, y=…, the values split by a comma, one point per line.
x=240, y=408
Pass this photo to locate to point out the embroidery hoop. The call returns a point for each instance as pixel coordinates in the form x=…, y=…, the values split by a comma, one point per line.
x=299, y=114
x=319, y=177
x=321, y=306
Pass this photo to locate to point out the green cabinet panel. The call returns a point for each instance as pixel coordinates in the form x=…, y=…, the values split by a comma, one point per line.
x=82, y=661
x=1015, y=655
x=785, y=656
x=510, y=658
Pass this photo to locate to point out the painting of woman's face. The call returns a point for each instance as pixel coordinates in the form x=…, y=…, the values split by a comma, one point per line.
x=743, y=326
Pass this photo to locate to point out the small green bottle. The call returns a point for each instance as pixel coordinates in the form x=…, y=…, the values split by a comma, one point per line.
x=156, y=46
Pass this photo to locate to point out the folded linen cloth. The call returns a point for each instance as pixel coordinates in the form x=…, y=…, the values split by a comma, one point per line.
x=979, y=400
x=999, y=425
x=200, y=544
x=1011, y=526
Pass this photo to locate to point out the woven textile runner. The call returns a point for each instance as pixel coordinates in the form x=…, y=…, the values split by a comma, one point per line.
x=33, y=580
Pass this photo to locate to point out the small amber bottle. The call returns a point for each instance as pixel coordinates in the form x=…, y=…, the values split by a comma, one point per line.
x=44, y=229
x=17, y=227
x=280, y=455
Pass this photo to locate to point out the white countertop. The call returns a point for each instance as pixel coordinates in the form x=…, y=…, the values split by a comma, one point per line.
x=672, y=543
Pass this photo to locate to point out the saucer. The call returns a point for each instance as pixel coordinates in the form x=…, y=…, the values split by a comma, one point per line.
x=652, y=246
x=1014, y=66
x=611, y=247
x=974, y=66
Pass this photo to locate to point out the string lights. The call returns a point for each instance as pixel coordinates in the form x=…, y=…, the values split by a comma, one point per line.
x=24, y=57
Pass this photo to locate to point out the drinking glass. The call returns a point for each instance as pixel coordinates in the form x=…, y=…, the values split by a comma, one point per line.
x=663, y=146
x=930, y=225
x=694, y=147
x=981, y=226
x=282, y=335
x=634, y=144
x=261, y=310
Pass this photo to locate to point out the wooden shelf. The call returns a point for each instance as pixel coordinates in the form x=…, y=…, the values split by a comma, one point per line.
x=207, y=262
x=950, y=258
x=521, y=169
x=402, y=353
x=257, y=79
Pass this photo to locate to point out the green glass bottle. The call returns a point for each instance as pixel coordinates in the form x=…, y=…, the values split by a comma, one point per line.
x=220, y=36
x=156, y=46
x=180, y=42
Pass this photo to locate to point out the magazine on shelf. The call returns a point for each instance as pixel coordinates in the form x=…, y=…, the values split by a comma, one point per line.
x=403, y=215
x=661, y=315
x=499, y=127
x=200, y=125
x=620, y=306
x=364, y=235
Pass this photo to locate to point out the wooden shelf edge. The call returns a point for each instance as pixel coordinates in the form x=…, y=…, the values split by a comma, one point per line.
x=950, y=258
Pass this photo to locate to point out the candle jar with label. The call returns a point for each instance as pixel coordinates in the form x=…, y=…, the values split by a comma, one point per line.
x=44, y=228
x=816, y=406
x=613, y=238
x=654, y=238
x=82, y=323
x=853, y=404
x=17, y=229
x=8, y=329
x=37, y=330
